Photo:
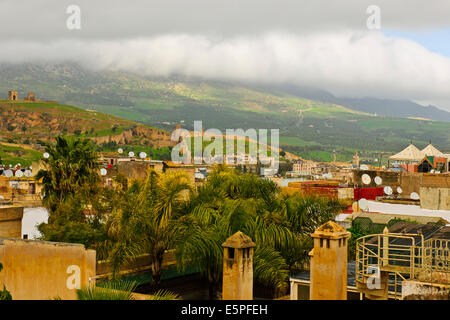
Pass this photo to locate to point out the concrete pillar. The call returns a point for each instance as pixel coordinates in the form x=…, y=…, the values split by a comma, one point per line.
x=294, y=291
x=238, y=268
x=329, y=263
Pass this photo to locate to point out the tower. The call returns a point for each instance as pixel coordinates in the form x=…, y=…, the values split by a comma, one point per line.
x=356, y=159
x=30, y=97
x=238, y=268
x=13, y=95
x=329, y=263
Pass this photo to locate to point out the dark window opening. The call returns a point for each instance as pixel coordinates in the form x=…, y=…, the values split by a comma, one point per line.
x=231, y=253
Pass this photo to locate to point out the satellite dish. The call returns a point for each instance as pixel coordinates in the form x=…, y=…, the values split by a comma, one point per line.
x=46, y=155
x=2, y=198
x=103, y=171
x=120, y=150
x=414, y=196
x=378, y=180
x=27, y=173
x=363, y=204
x=399, y=190
x=9, y=173
x=364, y=167
x=142, y=155
x=19, y=174
x=366, y=179
x=387, y=190
x=131, y=154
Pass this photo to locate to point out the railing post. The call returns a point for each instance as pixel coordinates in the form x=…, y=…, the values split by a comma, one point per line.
x=385, y=246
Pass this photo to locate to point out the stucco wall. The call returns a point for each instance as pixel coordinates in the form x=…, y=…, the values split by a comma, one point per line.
x=435, y=198
x=11, y=222
x=36, y=270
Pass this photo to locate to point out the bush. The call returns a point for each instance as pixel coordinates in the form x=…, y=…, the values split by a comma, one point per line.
x=4, y=294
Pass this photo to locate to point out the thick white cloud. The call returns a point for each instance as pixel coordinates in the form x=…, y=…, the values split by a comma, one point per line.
x=349, y=63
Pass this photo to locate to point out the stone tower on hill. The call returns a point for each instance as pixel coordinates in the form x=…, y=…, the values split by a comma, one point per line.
x=13, y=95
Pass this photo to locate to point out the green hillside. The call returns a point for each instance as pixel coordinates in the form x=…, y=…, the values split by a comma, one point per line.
x=25, y=126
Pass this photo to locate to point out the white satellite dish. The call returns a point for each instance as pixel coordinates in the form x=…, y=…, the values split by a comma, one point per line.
x=27, y=173
x=103, y=171
x=142, y=155
x=131, y=154
x=19, y=174
x=46, y=155
x=364, y=167
x=378, y=180
x=9, y=173
x=363, y=204
x=366, y=179
x=387, y=190
x=399, y=190
x=414, y=196
x=120, y=150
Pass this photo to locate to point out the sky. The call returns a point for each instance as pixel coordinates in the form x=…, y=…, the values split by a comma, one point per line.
x=314, y=43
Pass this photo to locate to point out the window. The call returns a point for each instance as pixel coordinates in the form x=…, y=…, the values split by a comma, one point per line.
x=230, y=253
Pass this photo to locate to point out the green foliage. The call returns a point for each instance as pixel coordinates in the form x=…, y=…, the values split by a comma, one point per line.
x=113, y=290
x=143, y=218
x=71, y=168
x=278, y=224
x=356, y=232
x=71, y=191
x=4, y=294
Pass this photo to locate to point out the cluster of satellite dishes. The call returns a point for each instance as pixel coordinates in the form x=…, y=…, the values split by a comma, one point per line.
x=366, y=179
x=131, y=154
x=18, y=174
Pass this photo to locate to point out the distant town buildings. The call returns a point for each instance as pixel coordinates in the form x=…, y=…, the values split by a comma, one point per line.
x=430, y=159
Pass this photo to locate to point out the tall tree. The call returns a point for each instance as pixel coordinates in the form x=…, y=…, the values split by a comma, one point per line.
x=71, y=184
x=228, y=203
x=145, y=221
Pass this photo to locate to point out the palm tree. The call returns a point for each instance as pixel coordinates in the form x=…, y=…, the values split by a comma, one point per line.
x=144, y=222
x=279, y=224
x=228, y=203
x=70, y=169
x=119, y=290
x=70, y=187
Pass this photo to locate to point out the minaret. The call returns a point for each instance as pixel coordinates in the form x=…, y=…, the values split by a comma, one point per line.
x=356, y=159
x=238, y=268
x=329, y=263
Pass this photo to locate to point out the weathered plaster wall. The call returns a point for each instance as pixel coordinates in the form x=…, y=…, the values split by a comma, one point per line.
x=37, y=270
x=11, y=222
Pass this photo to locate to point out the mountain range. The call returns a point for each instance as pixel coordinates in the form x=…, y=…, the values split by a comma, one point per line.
x=313, y=123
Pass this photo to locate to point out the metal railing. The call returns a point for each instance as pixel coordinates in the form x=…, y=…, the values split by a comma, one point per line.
x=398, y=256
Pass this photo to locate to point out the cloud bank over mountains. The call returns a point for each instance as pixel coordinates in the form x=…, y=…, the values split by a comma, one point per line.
x=323, y=44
